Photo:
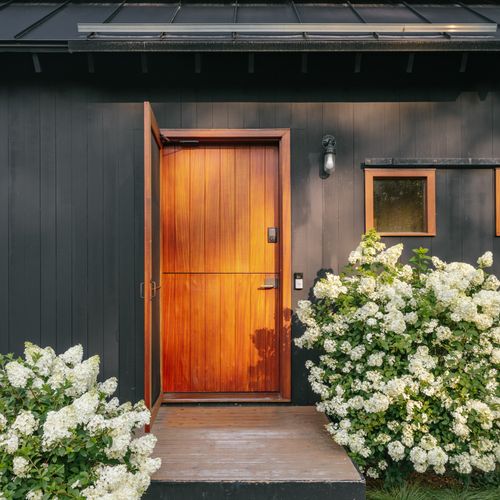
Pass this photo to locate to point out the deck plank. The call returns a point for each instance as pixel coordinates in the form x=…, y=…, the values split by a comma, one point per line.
x=248, y=443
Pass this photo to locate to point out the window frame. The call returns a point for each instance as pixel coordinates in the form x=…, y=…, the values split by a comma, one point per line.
x=430, y=199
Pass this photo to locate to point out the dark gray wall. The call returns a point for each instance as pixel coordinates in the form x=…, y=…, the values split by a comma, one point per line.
x=71, y=255
x=71, y=205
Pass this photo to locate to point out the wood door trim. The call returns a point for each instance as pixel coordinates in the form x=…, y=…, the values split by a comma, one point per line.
x=150, y=129
x=225, y=135
x=147, y=253
x=281, y=137
x=285, y=267
x=222, y=397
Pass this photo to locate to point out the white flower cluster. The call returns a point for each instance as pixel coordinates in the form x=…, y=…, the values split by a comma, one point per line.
x=329, y=288
x=18, y=374
x=20, y=467
x=60, y=408
x=408, y=370
x=116, y=482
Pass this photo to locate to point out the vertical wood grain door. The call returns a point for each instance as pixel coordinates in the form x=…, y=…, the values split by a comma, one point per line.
x=220, y=272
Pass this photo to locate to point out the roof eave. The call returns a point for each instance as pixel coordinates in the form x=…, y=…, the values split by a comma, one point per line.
x=30, y=47
x=95, y=45
x=455, y=45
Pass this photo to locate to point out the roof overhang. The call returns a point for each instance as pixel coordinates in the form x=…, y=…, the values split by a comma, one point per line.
x=246, y=26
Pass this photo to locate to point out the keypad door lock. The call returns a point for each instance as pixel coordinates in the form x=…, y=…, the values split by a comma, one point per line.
x=272, y=235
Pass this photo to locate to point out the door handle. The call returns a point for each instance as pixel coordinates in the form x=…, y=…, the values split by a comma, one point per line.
x=269, y=283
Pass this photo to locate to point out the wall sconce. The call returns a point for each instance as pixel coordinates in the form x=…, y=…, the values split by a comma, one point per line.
x=330, y=150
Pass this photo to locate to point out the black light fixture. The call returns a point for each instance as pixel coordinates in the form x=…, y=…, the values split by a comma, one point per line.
x=330, y=150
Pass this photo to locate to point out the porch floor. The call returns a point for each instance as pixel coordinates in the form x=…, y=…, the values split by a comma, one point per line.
x=203, y=445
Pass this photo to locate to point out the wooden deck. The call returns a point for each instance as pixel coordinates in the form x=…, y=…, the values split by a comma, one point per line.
x=250, y=452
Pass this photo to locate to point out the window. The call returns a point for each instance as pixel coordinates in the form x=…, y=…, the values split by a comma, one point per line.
x=401, y=202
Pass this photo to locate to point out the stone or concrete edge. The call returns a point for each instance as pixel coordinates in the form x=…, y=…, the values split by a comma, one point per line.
x=236, y=490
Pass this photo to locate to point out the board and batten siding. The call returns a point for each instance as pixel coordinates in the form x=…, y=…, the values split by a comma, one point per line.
x=71, y=194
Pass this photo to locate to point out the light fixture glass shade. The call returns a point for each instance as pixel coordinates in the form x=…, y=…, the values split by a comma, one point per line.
x=329, y=163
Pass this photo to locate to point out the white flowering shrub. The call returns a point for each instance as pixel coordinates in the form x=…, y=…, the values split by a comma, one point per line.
x=408, y=361
x=61, y=436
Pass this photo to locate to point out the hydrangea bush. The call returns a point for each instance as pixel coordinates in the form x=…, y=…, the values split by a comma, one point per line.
x=61, y=436
x=408, y=364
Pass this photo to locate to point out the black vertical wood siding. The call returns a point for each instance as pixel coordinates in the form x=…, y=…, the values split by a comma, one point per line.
x=71, y=206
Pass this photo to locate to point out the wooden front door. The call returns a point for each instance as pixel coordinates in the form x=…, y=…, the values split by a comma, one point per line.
x=220, y=271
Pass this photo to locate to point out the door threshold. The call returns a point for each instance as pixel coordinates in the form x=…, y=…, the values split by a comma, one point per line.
x=223, y=397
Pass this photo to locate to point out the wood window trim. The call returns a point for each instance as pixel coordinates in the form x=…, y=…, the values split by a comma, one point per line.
x=497, y=201
x=429, y=174
x=281, y=137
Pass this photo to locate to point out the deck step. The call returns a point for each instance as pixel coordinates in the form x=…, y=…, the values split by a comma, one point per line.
x=256, y=491
x=250, y=452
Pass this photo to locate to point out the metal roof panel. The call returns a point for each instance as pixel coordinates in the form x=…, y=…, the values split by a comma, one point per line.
x=447, y=13
x=145, y=13
x=387, y=14
x=17, y=17
x=205, y=14
x=269, y=13
x=490, y=11
x=63, y=26
x=326, y=14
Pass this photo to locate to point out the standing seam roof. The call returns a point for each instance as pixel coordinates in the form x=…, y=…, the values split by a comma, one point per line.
x=38, y=23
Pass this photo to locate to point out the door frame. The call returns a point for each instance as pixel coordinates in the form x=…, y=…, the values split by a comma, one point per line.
x=280, y=137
